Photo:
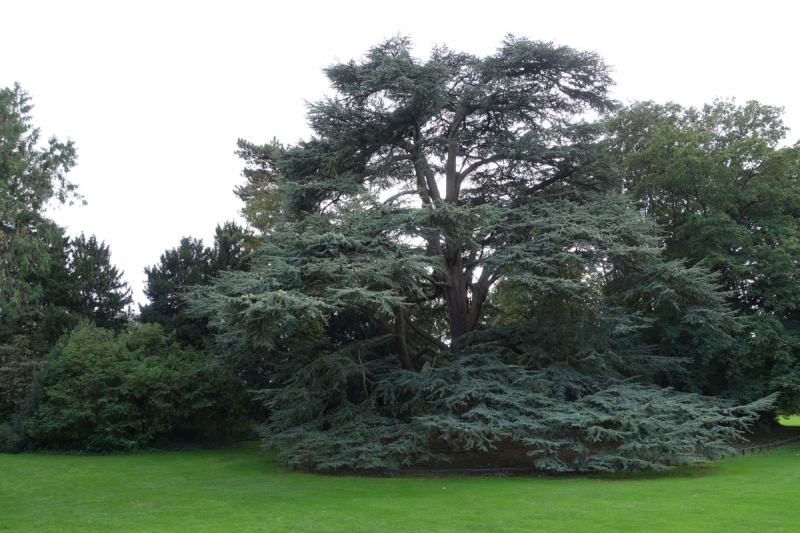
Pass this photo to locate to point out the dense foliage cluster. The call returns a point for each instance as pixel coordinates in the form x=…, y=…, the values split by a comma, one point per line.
x=717, y=181
x=103, y=391
x=181, y=269
x=79, y=283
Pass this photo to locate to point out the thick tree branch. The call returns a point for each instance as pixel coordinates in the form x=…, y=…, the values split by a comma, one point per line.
x=562, y=174
x=452, y=177
x=400, y=340
x=480, y=291
x=478, y=164
x=430, y=179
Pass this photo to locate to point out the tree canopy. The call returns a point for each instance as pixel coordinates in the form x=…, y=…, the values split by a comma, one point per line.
x=729, y=197
x=455, y=267
x=30, y=177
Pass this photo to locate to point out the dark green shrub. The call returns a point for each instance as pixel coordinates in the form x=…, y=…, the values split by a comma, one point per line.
x=116, y=392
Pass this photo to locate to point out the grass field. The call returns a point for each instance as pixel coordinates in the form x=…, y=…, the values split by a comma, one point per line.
x=791, y=421
x=239, y=491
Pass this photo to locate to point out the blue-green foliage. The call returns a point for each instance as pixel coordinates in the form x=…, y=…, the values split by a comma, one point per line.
x=456, y=267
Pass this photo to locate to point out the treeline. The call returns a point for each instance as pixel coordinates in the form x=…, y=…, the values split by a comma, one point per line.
x=78, y=370
x=455, y=260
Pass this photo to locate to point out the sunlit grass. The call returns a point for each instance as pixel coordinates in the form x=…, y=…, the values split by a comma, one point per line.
x=792, y=420
x=239, y=491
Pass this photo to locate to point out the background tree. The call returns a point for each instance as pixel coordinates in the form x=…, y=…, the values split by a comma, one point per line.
x=31, y=245
x=80, y=283
x=97, y=290
x=426, y=186
x=30, y=176
x=260, y=194
x=26, y=337
x=185, y=266
x=189, y=265
x=729, y=197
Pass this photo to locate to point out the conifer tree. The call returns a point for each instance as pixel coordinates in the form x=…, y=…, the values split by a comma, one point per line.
x=97, y=290
x=179, y=270
x=455, y=269
x=31, y=245
x=30, y=176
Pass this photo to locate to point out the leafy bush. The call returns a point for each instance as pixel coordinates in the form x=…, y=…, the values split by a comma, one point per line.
x=116, y=392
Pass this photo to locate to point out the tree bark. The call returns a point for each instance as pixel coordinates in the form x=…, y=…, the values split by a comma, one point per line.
x=455, y=295
x=400, y=340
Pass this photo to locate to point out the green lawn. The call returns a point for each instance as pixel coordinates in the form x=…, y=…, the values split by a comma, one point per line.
x=792, y=420
x=240, y=491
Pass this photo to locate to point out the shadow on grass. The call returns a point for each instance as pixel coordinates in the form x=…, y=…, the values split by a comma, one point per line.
x=680, y=472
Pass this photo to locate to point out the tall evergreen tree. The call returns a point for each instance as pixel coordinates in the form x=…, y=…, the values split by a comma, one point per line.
x=189, y=265
x=431, y=192
x=30, y=176
x=97, y=290
x=31, y=245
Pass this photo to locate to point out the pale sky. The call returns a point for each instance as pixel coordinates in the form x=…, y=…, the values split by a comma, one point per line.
x=155, y=94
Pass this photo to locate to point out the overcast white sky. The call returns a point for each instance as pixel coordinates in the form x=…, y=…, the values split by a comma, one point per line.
x=155, y=94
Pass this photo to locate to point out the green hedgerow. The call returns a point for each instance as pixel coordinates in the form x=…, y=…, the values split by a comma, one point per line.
x=116, y=392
